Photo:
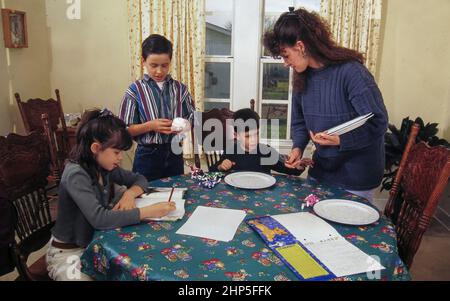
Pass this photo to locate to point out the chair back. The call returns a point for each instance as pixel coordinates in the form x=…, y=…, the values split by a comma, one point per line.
x=32, y=110
x=24, y=167
x=418, y=186
x=206, y=131
x=57, y=161
x=54, y=128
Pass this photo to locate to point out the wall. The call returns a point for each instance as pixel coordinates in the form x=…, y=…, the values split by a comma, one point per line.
x=24, y=70
x=414, y=71
x=90, y=62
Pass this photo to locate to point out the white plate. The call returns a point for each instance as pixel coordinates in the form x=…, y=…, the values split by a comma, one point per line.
x=349, y=125
x=250, y=180
x=346, y=212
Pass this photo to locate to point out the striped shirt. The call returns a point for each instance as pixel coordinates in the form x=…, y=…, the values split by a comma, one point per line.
x=145, y=101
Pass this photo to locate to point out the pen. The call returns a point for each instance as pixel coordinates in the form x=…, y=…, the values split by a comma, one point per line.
x=171, y=192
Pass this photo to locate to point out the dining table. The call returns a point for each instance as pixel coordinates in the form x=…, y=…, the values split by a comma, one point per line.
x=153, y=251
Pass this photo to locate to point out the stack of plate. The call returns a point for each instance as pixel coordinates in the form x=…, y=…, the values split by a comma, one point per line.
x=350, y=125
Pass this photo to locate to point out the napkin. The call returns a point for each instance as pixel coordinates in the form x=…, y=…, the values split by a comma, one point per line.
x=181, y=125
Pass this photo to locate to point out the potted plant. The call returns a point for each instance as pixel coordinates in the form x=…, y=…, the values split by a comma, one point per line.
x=395, y=144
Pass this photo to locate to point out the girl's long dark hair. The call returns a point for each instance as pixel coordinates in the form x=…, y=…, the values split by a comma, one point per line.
x=102, y=127
x=314, y=32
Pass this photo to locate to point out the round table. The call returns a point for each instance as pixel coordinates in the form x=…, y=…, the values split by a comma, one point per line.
x=152, y=250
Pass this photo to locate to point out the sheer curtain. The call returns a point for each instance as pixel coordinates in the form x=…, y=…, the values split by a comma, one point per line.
x=356, y=24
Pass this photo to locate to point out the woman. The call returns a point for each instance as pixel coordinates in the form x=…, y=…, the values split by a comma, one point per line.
x=332, y=86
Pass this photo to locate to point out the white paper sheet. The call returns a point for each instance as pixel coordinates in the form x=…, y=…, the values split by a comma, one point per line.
x=162, y=195
x=213, y=223
x=333, y=250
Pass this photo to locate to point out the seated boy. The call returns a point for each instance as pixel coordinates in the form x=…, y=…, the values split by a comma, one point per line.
x=247, y=154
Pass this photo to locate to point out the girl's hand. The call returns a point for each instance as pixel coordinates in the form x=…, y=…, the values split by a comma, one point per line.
x=226, y=165
x=294, y=158
x=163, y=126
x=127, y=202
x=157, y=210
x=325, y=139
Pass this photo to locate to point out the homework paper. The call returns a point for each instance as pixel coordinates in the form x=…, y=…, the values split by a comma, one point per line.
x=340, y=256
x=213, y=223
x=162, y=195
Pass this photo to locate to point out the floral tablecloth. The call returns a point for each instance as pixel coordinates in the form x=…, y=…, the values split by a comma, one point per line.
x=152, y=250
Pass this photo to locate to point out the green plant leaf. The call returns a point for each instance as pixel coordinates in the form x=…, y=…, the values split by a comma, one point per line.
x=419, y=121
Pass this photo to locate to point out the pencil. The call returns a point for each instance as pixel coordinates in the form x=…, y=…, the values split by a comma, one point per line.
x=171, y=193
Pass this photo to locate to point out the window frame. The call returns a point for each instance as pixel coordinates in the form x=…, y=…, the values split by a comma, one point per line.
x=224, y=59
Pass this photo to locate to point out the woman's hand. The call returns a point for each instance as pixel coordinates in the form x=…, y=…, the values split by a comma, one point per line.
x=294, y=158
x=163, y=126
x=157, y=210
x=325, y=139
x=127, y=202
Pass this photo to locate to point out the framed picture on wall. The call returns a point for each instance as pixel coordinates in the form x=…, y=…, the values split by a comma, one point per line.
x=14, y=28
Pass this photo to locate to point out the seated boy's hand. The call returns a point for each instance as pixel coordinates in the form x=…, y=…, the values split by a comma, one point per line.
x=163, y=126
x=305, y=163
x=226, y=165
x=161, y=209
x=127, y=202
x=294, y=158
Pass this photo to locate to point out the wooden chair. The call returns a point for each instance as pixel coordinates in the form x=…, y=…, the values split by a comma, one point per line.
x=419, y=184
x=32, y=112
x=24, y=167
x=57, y=163
x=215, y=149
x=252, y=104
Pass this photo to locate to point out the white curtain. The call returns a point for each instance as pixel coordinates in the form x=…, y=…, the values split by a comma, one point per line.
x=356, y=24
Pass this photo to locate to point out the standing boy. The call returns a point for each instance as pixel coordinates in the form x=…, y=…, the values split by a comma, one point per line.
x=148, y=108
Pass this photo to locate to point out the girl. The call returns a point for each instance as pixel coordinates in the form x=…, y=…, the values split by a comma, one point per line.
x=332, y=86
x=86, y=192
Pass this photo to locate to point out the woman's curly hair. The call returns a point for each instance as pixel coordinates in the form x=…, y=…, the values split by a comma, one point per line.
x=314, y=32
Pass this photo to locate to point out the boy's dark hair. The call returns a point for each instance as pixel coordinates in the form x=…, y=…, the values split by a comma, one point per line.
x=103, y=127
x=245, y=115
x=156, y=44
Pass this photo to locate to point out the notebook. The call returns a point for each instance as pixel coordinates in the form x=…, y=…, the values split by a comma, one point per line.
x=158, y=195
x=311, y=247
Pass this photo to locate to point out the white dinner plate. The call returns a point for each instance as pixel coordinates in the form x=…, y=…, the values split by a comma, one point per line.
x=250, y=180
x=349, y=125
x=346, y=212
x=348, y=128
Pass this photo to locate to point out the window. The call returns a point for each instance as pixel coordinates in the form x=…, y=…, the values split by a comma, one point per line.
x=276, y=80
x=219, y=53
x=239, y=69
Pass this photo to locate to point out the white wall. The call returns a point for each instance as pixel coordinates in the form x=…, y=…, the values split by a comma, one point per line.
x=90, y=56
x=24, y=70
x=414, y=68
